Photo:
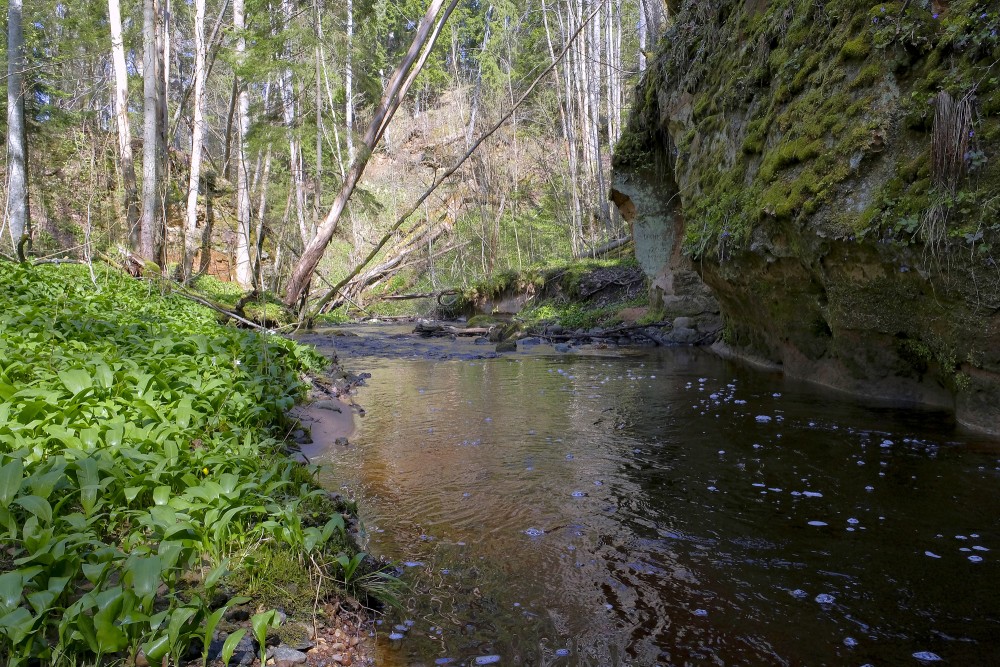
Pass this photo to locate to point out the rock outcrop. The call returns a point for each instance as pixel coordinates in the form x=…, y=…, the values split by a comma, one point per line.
x=831, y=172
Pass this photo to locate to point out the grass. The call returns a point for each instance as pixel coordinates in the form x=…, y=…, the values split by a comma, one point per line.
x=142, y=467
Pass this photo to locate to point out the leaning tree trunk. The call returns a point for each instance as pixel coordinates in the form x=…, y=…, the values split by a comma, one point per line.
x=191, y=239
x=124, y=130
x=17, y=144
x=395, y=90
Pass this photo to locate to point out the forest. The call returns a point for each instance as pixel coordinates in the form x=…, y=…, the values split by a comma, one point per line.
x=225, y=137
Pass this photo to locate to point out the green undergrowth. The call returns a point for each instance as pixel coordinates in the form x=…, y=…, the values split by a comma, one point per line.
x=264, y=308
x=142, y=470
x=556, y=296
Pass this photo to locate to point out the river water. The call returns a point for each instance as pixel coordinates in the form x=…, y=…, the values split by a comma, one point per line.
x=664, y=507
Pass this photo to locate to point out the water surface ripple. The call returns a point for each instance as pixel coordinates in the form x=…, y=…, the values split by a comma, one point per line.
x=666, y=507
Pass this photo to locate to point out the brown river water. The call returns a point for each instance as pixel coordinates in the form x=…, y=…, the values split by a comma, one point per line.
x=663, y=507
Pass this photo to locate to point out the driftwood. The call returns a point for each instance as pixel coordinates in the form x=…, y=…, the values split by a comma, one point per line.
x=422, y=295
x=602, y=250
x=428, y=329
x=604, y=333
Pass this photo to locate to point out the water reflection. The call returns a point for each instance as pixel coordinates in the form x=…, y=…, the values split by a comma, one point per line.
x=670, y=508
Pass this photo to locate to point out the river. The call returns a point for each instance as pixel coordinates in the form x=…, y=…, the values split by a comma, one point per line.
x=663, y=507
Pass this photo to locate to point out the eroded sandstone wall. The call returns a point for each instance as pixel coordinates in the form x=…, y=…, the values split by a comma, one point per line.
x=831, y=171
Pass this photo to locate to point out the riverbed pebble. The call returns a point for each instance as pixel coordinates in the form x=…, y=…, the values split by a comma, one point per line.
x=927, y=656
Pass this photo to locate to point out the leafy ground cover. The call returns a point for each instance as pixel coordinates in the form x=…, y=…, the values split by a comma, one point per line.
x=142, y=463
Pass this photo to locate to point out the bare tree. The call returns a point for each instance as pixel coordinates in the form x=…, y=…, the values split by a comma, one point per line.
x=126, y=160
x=349, y=84
x=244, y=268
x=423, y=41
x=17, y=143
x=151, y=146
x=197, y=132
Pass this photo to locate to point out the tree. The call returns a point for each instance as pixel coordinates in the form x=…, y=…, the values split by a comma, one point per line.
x=191, y=239
x=125, y=157
x=244, y=267
x=395, y=90
x=152, y=156
x=17, y=142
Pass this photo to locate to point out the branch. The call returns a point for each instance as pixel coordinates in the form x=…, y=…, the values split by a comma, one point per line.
x=438, y=180
x=222, y=311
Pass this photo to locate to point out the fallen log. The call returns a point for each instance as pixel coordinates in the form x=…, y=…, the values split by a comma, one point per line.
x=602, y=250
x=604, y=333
x=422, y=295
x=428, y=329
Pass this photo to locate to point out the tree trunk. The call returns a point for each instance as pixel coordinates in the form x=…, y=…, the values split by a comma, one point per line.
x=149, y=224
x=643, y=31
x=349, y=84
x=197, y=132
x=17, y=145
x=124, y=131
x=244, y=268
x=402, y=78
x=318, y=191
x=162, y=99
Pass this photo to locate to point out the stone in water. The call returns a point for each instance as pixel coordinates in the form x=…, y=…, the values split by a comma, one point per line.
x=927, y=656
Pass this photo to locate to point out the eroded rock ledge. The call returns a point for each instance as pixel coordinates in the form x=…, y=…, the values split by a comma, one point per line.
x=830, y=171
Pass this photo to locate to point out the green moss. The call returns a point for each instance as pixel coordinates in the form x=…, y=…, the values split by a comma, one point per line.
x=868, y=76
x=856, y=49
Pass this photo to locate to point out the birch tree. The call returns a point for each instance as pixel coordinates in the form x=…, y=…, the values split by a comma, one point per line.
x=18, y=218
x=191, y=240
x=125, y=157
x=244, y=267
x=151, y=145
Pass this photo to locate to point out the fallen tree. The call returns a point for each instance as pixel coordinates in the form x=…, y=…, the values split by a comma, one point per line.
x=319, y=306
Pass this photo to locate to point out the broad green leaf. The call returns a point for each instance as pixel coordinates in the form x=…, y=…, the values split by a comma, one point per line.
x=37, y=506
x=94, y=571
x=157, y=648
x=104, y=375
x=10, y=481
x=109, y=635
x=11, y=587
x=145, y=573
x=169, y=552
x=16, y=625
x=228, y=483
x=76, y=380
x=261, y=622
x=217, y=573
x=178, y=618
x=183, y=413
x=40, y=601
x=42, y=485
x=161, y=495
x=113, y=436
x=229, y=646
x=210, y=624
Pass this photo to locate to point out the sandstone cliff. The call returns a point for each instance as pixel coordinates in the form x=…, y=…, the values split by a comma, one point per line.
x=831, y=171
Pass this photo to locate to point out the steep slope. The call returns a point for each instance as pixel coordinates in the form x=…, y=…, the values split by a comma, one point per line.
x=831, y=172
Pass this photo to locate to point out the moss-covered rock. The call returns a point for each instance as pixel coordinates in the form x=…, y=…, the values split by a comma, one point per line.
x=787, y=150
